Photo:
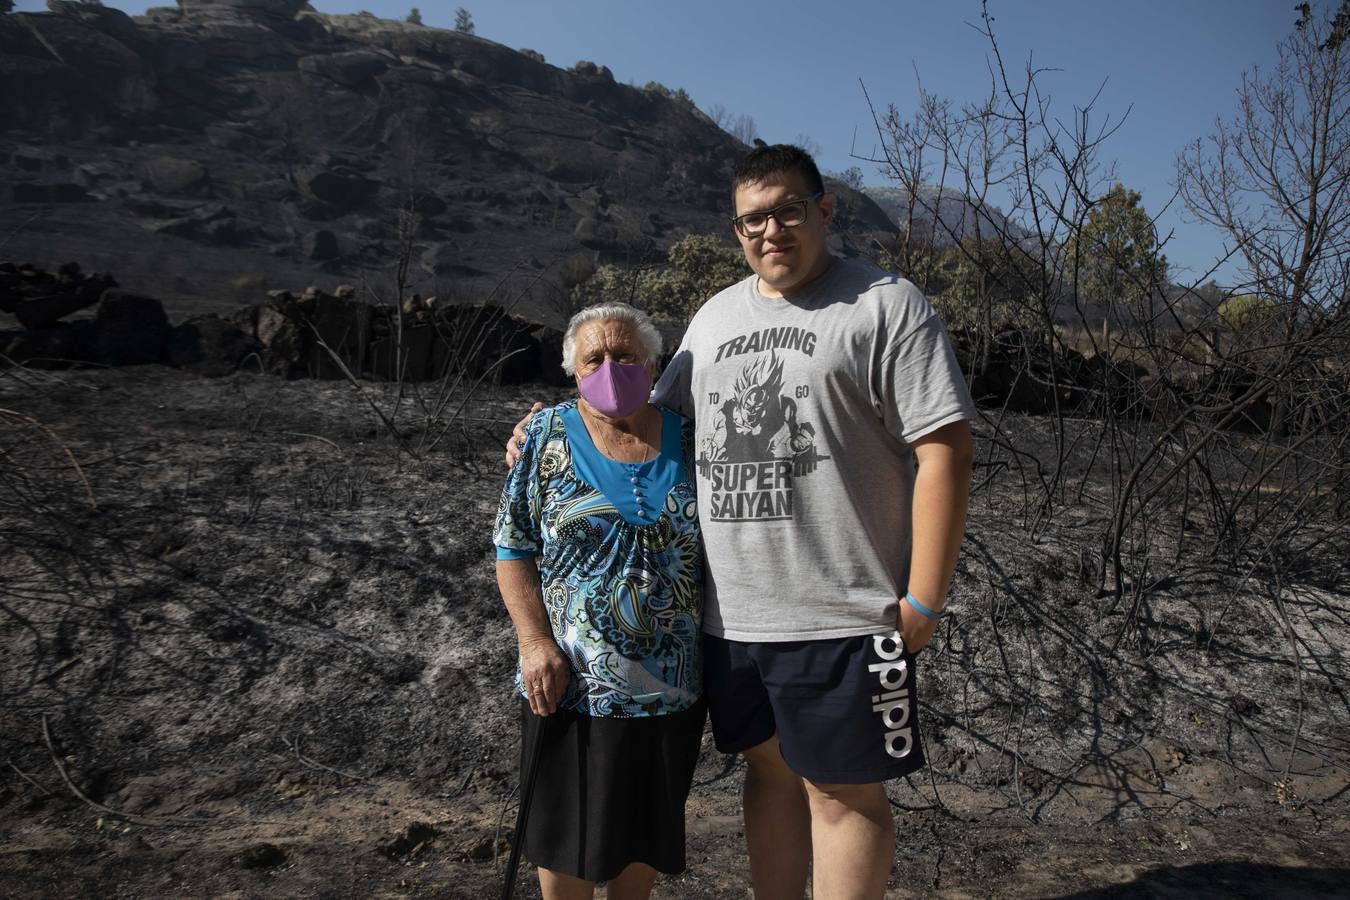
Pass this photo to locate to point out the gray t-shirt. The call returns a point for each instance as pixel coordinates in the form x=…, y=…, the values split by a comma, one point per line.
x=804, y=408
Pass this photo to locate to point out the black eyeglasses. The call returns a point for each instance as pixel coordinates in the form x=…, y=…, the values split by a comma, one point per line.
x=787, y=215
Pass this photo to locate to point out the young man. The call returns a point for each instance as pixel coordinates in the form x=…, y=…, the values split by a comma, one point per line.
x=816, y=384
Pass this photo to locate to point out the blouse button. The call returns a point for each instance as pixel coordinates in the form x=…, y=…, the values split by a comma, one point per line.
x=634, y=479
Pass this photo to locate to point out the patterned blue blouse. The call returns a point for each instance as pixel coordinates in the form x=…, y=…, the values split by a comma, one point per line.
x=620, y=562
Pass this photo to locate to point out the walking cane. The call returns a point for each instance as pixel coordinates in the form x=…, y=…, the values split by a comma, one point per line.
x=523, y=814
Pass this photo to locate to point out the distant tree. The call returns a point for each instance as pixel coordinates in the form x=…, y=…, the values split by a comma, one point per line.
x=6, y=6
x=1115, y=254
x=852, y=177
x=721, y=116
x=463, y=21
x=743, y=129
x=414, y=16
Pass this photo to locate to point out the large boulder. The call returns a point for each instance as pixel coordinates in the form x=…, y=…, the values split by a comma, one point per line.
x=171, y=175
x=210, y=345
x=550, y=341
x=129, y=329
x=339, y=188
x=47, y=348
x=340, y=327
x=485, y=340
x=408, y=355
x=43, y=312
x=39, y=300
x=285, y=345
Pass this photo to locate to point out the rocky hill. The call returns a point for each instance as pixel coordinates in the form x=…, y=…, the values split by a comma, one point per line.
x=208, y=151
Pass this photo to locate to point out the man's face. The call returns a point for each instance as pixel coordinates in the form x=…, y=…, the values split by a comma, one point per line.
x=785, y=259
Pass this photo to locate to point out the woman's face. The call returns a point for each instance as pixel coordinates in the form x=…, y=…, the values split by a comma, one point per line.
x=606, y=339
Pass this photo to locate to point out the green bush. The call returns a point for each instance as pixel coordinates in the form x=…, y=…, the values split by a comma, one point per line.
x=698, y=266
x=977, y=284
x=990, y=283
x=1243, y=312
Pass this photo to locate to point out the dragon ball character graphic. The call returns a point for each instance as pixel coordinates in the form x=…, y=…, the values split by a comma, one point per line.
x=760, y=421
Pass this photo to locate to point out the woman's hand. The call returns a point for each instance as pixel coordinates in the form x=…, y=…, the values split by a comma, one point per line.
x=518, y=436
x=544, y=673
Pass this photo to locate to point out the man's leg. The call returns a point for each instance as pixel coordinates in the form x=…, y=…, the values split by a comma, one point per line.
x=777, y=824
x=853, y=834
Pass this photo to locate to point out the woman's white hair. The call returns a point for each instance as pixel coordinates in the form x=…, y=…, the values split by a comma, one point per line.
x=615, y=311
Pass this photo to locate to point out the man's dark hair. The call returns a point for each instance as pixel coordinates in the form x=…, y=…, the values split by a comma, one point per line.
x=775, y=159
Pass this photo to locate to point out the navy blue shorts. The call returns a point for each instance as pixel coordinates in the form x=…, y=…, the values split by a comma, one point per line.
x=844, y=709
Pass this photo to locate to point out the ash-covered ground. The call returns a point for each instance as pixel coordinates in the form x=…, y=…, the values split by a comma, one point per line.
x=254, y=648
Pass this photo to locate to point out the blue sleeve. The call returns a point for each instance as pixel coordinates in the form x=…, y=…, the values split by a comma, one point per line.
x=517, y=533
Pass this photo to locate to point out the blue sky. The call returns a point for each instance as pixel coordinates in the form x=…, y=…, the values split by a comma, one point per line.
x=795, y=66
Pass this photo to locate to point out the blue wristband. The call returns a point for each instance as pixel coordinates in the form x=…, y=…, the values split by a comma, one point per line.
x=923, y=610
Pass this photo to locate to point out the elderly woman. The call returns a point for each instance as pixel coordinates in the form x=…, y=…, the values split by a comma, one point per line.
x=600, y=568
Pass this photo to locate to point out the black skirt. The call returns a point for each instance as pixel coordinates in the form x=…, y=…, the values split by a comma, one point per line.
x=610, y=791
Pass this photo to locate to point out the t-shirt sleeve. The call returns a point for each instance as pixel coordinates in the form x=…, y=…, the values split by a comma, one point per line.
x=921, y=385
x=517, y=533
x=672, y=390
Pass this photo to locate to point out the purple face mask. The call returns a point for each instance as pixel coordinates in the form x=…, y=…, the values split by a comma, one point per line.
x=615, y=389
